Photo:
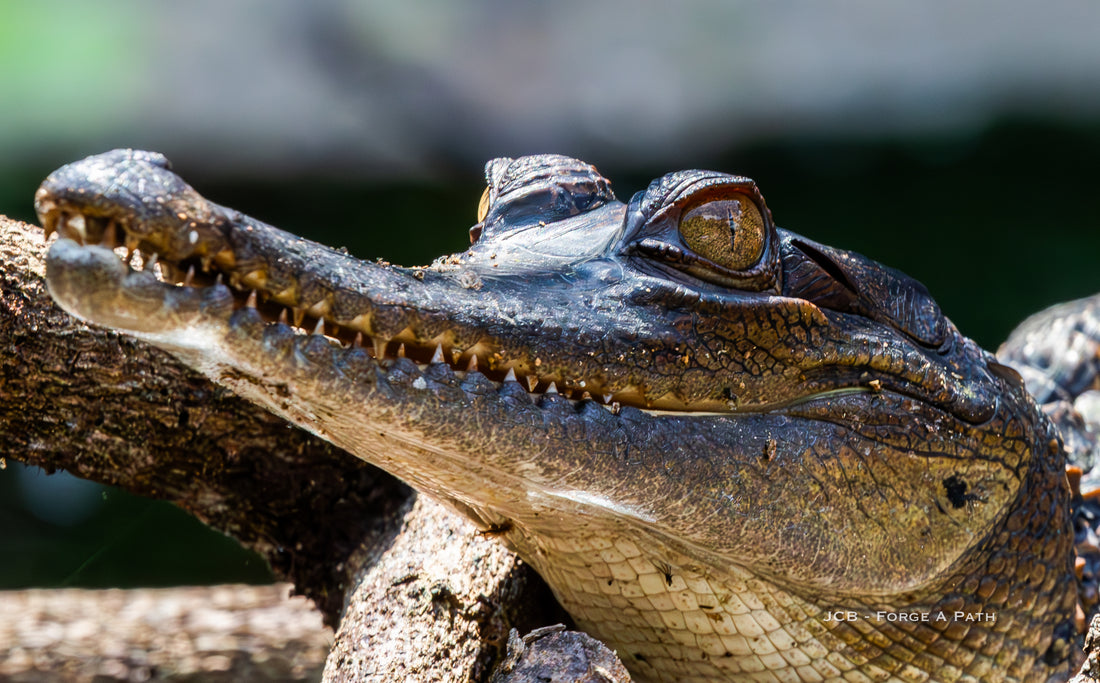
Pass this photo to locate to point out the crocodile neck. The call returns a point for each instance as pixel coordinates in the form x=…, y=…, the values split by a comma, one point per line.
x=732, y=452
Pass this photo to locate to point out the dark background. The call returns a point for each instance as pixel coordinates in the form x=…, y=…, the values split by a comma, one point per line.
x=958, y=147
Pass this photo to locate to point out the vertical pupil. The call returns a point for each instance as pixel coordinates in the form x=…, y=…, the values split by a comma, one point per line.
x=728, y=232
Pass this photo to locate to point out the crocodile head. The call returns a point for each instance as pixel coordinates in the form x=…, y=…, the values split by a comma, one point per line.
x=711, y=436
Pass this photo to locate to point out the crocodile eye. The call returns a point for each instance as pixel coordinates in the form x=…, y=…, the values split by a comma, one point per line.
x=728, y=232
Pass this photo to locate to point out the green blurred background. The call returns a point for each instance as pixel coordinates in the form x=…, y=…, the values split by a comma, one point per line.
x=957, y=146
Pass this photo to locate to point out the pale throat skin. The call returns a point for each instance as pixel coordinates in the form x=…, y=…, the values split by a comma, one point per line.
x=707, y=434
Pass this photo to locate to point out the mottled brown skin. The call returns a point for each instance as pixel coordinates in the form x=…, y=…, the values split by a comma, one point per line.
x=708, y=434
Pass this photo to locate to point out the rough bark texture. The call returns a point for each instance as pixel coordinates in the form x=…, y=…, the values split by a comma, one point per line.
x=107, y=408
x=431, y=571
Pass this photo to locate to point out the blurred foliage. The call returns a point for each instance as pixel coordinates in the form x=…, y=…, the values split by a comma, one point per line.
x=117, y=541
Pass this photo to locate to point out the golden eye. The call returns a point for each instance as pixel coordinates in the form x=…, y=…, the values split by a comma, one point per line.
x=483, y=206
x=729, y=232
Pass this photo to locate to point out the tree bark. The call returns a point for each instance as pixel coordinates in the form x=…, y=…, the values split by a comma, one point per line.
x=420, y=594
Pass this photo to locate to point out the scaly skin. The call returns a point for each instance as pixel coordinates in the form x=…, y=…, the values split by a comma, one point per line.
x=708, y=434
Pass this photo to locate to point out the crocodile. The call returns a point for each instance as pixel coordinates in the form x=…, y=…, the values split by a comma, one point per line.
x=733, y=453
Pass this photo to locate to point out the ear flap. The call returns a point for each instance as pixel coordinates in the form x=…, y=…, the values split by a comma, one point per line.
x=845, y=281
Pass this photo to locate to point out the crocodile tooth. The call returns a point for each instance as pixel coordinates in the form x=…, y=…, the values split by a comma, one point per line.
x=456, y=354
x=284, y=294
x=379, y=347
x=110, y=234
x=408, y=334
x=77, y=224
x=299, y=315
x=606, y=398
x=511, y=376
x=255, y=278
x=251, y=303
x=170, y=273
x=552, y=389
x=361, y=322
x=319, y=328
x=226, y=258
x=437, y=357
x=190, y=277
x=282, y=314
x=480, y=349
x=63, y=225
x=532, y=382
x=631, y=395
x=319, y=309
x=401, y=351
x=218, y=280
x=358, y=341
x=472, y=365
x=47, y=208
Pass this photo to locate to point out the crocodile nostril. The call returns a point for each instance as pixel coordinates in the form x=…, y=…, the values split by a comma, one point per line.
x=537, y=190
